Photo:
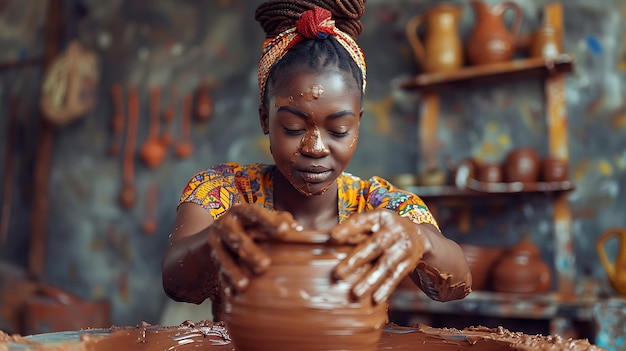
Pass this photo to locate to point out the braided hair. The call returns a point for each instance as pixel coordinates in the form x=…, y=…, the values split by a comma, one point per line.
x=276, y=16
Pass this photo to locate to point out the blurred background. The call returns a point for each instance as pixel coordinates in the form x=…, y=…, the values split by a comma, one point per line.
x=73, y=73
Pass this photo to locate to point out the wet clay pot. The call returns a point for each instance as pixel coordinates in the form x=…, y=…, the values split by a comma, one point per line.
x=522, y=271
x=440, y=50
x=523, y=165
x=554, y=169
x=490, y=41
x=296, y=305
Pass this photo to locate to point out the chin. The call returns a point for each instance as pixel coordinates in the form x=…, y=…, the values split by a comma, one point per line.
x=308, y=189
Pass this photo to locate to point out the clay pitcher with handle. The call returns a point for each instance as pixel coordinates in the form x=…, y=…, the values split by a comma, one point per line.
x=441, y=49
x=490, y=40
x=616, y=271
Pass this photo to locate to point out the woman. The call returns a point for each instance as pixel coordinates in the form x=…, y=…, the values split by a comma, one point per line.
x=311, y=78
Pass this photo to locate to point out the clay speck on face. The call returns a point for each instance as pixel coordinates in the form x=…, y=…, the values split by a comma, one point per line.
x=284, y=101
x=314, y=93
x=312, y=142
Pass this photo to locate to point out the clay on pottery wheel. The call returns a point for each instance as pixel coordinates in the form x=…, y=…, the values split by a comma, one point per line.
x=296, y=305
x=522, y=271
x=522, y=165
x=554, y=169
x=209, y=336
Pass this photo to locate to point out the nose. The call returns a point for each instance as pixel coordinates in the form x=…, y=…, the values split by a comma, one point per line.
x=313, y=145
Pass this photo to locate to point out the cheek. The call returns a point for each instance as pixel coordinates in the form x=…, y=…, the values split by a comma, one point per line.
x=282, y=147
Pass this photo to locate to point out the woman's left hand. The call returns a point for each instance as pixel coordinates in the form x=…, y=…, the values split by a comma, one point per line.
x=394, y=243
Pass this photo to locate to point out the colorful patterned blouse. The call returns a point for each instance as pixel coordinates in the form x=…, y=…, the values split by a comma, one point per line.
x=225, y=185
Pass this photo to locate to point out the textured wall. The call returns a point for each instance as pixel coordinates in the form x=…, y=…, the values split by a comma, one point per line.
x=97, y=249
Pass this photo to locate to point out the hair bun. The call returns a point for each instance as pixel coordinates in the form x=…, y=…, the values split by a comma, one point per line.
x=275, y=16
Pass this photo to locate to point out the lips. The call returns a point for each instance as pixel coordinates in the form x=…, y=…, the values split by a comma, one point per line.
x=315, y=174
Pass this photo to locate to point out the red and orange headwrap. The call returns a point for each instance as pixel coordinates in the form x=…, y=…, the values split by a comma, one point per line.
x=316, y=23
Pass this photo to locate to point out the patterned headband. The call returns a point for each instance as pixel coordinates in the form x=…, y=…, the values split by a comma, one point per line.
x=312, y=24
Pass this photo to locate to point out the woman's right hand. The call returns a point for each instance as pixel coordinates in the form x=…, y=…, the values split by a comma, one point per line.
x=233, y=249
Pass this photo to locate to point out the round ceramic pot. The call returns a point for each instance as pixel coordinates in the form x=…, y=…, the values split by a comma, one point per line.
x=490, y=173
x=522, y=271
x=523, y=165
x=554, y=169
x=296, y=305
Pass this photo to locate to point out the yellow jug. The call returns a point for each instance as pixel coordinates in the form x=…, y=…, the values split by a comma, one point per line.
x=616, y=271
x=441, y=50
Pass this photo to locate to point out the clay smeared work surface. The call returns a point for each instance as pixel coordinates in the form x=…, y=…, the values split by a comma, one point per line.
x=214, y=337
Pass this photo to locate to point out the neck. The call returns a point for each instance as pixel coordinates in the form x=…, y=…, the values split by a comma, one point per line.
x=313, y=212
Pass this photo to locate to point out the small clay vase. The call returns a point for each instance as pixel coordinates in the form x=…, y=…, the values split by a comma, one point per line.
x=441, y=49
x=296, y=305
x=522, y=271
x=490, y=173
x=522, y=165
x=554, y=169
x=463, y=172
x=546, y=42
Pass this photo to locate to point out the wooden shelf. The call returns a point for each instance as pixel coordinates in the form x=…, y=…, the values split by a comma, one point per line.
x=485, y=303
x=479, y=189
x=519, y=68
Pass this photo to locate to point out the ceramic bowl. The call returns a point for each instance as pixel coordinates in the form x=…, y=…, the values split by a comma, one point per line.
x=481, y=260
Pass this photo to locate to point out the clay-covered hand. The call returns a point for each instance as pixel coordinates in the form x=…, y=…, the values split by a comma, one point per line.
x=393, y=244
x=232, y=237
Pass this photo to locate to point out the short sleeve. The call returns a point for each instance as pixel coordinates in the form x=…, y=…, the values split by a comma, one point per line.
x=215, y=189
x=406, y=204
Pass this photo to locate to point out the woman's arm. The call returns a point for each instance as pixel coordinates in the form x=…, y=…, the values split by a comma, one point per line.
x=442, y=273
x=188, y=273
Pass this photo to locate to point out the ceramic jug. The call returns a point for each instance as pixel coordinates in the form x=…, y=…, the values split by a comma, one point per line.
x=490, y=41
x=441, y=49
x=616, y=271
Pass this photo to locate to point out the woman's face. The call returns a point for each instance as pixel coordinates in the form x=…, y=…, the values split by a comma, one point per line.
x=313, y=125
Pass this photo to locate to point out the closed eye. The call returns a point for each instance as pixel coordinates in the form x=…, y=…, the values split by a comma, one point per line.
x=340, y=134
x=293, y=131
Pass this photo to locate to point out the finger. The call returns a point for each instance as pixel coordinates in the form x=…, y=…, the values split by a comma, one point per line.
x=366, y=252
x=273, y=224
x=229, y=269
x=243, y=246
x=385, y=290
x=356, y=228
x=384, y=268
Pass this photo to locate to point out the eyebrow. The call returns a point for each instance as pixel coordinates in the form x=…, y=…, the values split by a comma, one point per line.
x=306, y=115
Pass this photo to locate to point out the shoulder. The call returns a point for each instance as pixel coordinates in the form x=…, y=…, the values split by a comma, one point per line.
x=382, y=190
x=230, y=170
x=222, y=175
